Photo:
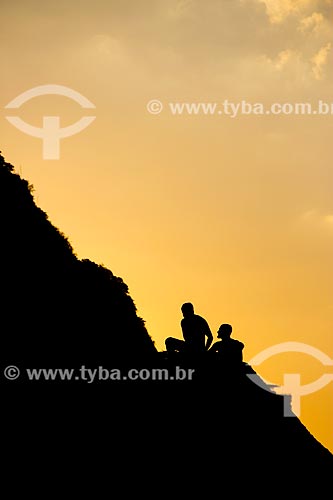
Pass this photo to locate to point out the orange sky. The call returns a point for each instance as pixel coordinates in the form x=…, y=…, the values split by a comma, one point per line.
x=233, y=214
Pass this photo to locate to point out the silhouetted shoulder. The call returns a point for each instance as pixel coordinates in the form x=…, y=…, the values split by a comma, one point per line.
x=216, y=346
x=201, y=320
x=238, y=343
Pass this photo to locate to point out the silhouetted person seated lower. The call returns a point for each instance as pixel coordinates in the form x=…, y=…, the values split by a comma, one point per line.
x=227, y=351
x=196, y=333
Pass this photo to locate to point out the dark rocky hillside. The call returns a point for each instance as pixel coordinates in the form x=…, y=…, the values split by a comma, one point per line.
x=173, y=438
x=56, y=308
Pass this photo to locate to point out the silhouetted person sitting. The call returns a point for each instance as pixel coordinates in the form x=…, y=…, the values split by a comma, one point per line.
x=229, y=352
x=196, y=333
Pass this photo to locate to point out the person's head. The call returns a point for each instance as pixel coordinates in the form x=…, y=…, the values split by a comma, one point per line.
x=224, y=332
x=187, y=309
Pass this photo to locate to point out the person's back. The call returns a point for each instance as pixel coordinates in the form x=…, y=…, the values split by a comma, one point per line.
x=196, y=333
x=228, y=350
x=194, y=330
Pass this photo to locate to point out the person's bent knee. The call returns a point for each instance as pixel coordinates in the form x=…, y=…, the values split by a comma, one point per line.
x=173, y=344
x=168, y=342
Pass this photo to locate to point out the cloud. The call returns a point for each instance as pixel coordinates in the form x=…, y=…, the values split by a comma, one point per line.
x=107, y=45
x=279, y=10
x=288, y=60
x=311, y=12
x=300, y=65
x=283, y=58
x=329, y=219
x=317, y=218
x=181, y=9
x=311, y=23
x=191, y=47
x=319, y=61
x=300, y=40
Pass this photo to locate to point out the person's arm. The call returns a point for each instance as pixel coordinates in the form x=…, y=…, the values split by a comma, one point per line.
x=214, y=347
x=184, y=329
x=209, y=341
x=209, y=336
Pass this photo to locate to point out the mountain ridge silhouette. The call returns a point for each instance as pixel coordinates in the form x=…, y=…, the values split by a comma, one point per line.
x=69, y=295
x=60, y=311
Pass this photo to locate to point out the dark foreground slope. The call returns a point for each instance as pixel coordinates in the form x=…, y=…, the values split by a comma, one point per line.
x=55, y=308
x=172, y=438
